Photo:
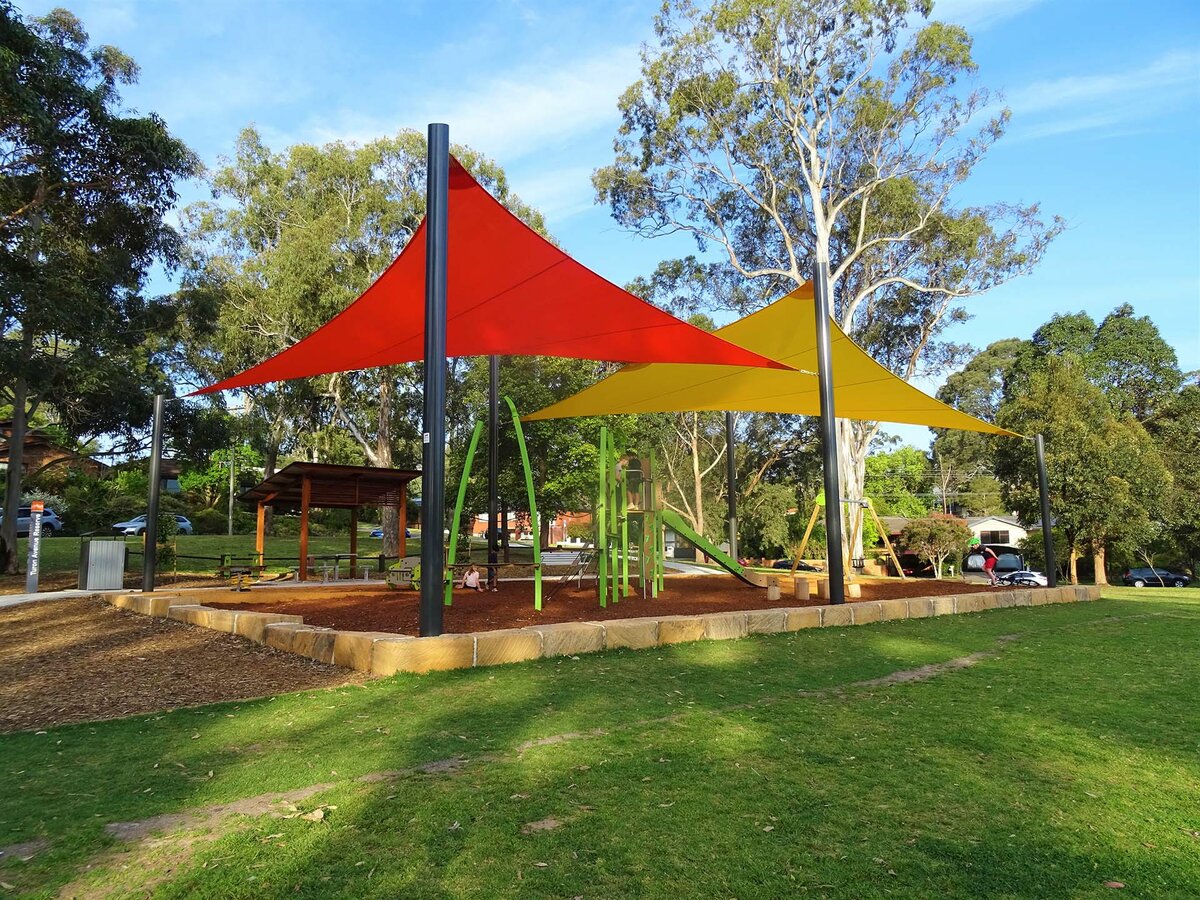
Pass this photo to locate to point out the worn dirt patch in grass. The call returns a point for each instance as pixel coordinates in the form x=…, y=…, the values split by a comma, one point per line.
x=80, y=660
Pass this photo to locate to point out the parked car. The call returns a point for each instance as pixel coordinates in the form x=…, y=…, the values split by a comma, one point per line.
x=1156, y=578
x=137, y=526
x=801, y=566
x=378, y=533
x=1025, y=578
x=51, y=523
x=1008, y=560
x=915, y=567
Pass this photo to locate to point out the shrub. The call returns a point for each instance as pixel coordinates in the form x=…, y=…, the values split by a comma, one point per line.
x=936, y=538
x=209, y=521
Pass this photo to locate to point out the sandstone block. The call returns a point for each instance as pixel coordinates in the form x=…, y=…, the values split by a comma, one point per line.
x=943, y=606
x=836, y=615
x=635, y=634
x=315, y=643
x=352, y=649
x=280, y=634
x=253, y=625
x=724, y=626
x=969, y=603
x=1093, y=591
x=125, y=601
x=1005, y=599
x=920, y=607
x=192, y=613
x=399, y=653
x=803, y=589
x=1042, y=596
x=766, y=621
x=1067, y=594
x=893, y=609
x=570, y=638
x=222, y=620
x=773, y=592
x=866, y=612
x=160, y=604
x=1022, y=598
x=509, y=645
x=803, y=617
x=678, y=629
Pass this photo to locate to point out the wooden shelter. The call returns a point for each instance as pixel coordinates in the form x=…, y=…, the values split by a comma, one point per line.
x=303, y=485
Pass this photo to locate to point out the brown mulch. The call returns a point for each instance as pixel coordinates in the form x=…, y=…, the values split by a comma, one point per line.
x=371, y=608
x=80, y=660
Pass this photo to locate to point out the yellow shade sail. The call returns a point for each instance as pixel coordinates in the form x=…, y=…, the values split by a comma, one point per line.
x=784, y=331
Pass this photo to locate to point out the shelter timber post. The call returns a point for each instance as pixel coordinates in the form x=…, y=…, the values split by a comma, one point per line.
x=305, y=500
x=433, y=486
x=1039, y=446
x=829, y=453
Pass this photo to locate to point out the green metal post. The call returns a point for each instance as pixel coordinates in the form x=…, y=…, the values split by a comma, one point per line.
x=533, y=516
x=625, y=541
x=614, y=485
x=458, y=508
x=600, y=523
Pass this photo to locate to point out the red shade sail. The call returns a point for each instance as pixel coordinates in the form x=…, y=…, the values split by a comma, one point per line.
x=510, y=292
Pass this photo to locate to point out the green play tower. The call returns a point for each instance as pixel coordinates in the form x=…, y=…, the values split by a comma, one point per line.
x=628, y=523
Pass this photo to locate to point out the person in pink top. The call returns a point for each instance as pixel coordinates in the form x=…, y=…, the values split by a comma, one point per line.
x=470, y=580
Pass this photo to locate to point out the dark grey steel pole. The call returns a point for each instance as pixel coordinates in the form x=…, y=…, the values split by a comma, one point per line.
x=433, y=469
x=731, y=484
x=493, y=474
x=1047, y=529
x=829, y=453
x=150, y=548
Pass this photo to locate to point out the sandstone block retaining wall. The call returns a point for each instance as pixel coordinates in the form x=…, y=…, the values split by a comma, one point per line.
x=386, y=654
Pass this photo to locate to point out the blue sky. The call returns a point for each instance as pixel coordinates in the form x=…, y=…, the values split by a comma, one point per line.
x=1105, y=98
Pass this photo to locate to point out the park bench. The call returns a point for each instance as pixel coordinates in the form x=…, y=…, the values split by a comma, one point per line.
x=241, y=574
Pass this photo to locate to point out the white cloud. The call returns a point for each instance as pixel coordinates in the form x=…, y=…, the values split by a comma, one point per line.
x=978, y=15
x=509, y=115
x=1103, y=100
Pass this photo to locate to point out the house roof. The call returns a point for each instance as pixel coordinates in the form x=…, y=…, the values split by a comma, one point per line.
x=1007, y=520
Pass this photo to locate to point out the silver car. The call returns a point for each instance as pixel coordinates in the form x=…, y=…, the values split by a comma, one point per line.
x=51, y=523
x=137, y=526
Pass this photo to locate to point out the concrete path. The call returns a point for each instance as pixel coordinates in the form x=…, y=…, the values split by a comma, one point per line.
x=17, y=599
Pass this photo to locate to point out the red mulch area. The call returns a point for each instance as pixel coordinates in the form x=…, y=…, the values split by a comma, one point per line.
x=376, y=609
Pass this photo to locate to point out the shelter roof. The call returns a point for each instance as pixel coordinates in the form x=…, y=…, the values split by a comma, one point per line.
x=510, y=292
x=784, y=330
x=332, y=486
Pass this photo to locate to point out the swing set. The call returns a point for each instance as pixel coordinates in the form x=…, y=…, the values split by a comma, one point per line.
x=860, y=509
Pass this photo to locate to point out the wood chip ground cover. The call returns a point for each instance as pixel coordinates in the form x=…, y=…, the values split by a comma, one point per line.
x=80, y=660
x=788, y=765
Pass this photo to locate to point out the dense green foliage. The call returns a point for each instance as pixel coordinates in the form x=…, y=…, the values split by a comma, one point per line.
x=84, y=186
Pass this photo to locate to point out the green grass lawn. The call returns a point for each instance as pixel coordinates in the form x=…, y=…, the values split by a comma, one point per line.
x=752, y=768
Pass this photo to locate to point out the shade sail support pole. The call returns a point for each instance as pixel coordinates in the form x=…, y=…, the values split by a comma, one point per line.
x=731, y=485
x=829, y=451
x=150, y=546
x=493, y=472
x=433, y=486
x=1039, y=446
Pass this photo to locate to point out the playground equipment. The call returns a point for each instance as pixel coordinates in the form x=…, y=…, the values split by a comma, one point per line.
x=860, y=509
x=462, y=496
x=630, y=524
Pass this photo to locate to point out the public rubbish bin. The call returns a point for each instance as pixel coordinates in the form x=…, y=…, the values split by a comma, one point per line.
x=101, y=564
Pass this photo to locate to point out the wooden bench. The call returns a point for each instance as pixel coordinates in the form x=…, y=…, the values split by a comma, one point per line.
x=239, y=573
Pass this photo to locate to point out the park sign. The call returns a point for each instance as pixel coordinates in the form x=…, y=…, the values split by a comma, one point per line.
x=33, y=568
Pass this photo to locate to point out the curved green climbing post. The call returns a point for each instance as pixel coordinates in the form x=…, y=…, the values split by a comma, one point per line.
x=533, y=516
x=600, y=523
x=458, y=508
